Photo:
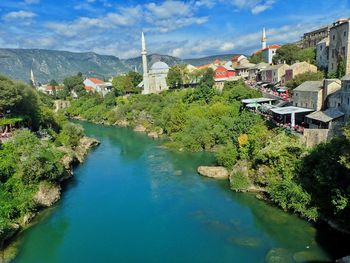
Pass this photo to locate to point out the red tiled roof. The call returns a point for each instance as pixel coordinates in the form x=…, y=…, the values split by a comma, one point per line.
x=235, y=58
x=204, y=66
x=269, y=47
x=96, y=81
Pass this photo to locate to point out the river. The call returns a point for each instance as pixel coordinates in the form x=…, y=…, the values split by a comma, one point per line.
x=134, y=201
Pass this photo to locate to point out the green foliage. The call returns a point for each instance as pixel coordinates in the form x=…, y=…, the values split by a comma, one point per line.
x=75, y=83
x=174, y=77
x=70, y=135
x=207, y=78
x=256, y=58
x=301, y=78
x=291, y=53
x=240, y=182
x=227, y=156
x=341, y=69
x=25, y=161
x=122, y=85
x=10, y=94
x=135, y=77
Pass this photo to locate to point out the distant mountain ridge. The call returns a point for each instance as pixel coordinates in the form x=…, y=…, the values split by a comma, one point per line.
x=54, y=64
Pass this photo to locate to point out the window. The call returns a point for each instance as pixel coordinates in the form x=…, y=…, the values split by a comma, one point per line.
x=332, y=66
x=348, y=101
x=333, y=37
x=344, y=33
x=343, y=51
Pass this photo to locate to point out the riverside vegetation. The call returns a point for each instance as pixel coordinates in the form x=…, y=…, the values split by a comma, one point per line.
x=314, y=183
x=37, y=156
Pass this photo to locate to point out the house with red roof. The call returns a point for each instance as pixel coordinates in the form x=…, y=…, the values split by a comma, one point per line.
x=97, y=85
x=268, y=53
x=224, y=72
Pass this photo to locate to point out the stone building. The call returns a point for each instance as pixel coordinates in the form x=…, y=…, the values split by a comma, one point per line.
x=243, y=70
x=154, y=80
x=255, y=72
x=311, y=39
x=297, y=69
x=322, y=53
x=339, y=45
x=341, y=99
x=309, y=95
x=315, y=94
x=274, y=73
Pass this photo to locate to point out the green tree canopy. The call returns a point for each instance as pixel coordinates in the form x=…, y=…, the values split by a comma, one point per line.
x=174, y=78
x=291, y=53
x=256, y=58
x=307, y=76
x=122, y=84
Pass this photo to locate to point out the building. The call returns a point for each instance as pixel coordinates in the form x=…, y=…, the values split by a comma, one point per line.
x=309, y=95
x=97, y=85
x=267, y=52
x=341, y=98
x=297, y=69
x=322, y=53
x=339, y=45
x=315, y=94
x=238, y=60
x=50, y=90
x=274, y=73
x=224, y=72
x=243, y=70
x=311, y=39
x=154, y=81
x=254, y=72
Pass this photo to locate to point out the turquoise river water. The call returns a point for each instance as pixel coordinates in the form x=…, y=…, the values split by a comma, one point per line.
x=134, y=201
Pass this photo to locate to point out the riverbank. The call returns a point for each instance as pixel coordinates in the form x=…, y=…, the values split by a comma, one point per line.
x=47, y=195
x=203, y=120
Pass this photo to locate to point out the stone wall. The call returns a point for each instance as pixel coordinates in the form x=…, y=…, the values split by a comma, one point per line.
x=312, y=137
x=61, y=104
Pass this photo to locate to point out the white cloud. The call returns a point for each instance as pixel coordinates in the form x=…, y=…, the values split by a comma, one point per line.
x=227, y=46
x=255, y=6
x=19, y=15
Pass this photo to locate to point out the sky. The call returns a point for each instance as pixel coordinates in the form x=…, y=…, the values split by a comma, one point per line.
x=185, y=29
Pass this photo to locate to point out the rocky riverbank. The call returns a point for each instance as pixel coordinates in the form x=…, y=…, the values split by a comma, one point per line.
x=47, y=195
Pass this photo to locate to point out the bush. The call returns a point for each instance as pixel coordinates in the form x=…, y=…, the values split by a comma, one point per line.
x=71, y=135
x=227, y=156
x=240, y=182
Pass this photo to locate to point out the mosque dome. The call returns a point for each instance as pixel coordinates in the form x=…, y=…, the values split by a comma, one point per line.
x=160, y=66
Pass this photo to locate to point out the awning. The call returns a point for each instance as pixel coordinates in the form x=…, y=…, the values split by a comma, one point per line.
x=253, y=105
x=257, y=100
x=283, y=89
x=290, y=110
x=325, y=116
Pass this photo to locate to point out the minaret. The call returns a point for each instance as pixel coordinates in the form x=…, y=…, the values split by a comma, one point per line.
x=32, y=79
x=144, y=64
x=263, y=39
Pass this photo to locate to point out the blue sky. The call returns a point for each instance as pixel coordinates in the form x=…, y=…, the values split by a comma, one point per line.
x=185, y=29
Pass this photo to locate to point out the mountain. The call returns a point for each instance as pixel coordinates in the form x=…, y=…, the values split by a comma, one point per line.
x=151, y=59
x=208, y=60
x=51, y=64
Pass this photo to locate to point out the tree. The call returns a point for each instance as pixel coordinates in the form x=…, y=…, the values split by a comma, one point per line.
x=9, y=94
x=53, y=83
x=301, y=78
x=208, y=78
x=256, y=58
x=71, y=82
x=174, y=77
x=291, y=53
x=122, y=85
x=341, y=69
x=135, y=78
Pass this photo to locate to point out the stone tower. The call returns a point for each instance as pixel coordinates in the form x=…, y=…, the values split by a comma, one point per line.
x=263, y=39
x=144, y=65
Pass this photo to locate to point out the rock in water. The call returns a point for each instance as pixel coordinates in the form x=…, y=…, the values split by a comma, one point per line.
x=217, y=172
x=140, y=128
x=278, y=255
x=47, y=195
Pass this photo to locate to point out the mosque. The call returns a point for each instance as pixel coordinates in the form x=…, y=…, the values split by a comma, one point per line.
x=154, y=80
